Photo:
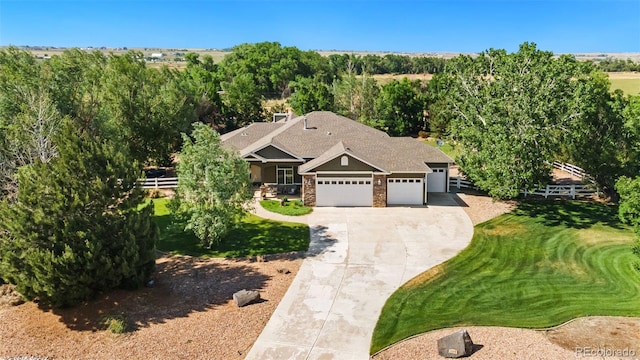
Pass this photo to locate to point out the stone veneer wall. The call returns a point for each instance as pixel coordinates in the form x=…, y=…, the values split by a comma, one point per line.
x=380, y=191
x=309, y=190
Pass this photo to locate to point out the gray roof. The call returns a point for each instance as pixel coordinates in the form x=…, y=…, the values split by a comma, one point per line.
x=329, y=135
x=245, y=136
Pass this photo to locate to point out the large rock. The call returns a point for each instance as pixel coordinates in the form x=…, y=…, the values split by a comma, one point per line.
x=456, y=345
x=245, y=297
x=9, y=296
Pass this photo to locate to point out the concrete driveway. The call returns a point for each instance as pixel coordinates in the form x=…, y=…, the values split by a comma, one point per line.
x=357, y=258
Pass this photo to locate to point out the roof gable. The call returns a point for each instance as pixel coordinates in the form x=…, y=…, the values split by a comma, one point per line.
x=332, y=157
x=270, y=152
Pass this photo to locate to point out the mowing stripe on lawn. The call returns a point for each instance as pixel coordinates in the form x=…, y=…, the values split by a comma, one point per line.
x=537, y=267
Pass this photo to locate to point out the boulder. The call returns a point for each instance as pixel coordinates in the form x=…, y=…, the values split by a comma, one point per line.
x=455, y=345
x=9, y=296
x=245, y=297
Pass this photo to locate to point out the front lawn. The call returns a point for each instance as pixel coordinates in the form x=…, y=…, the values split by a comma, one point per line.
x=539, y=266
x=291, y=208
x=253, y=236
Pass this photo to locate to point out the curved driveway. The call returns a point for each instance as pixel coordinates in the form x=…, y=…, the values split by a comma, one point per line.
x=357, y=258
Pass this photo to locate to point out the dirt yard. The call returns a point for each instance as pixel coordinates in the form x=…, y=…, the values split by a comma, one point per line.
x=187, y=314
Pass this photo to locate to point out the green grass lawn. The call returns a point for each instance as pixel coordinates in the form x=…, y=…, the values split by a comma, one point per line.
x=629, y=86
x=448, y=148
x=539, y=266
x=253, y=236
x=291, y=208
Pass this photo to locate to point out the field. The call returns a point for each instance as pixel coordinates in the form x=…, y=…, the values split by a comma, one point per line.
x=539, y=266
x=629, y=82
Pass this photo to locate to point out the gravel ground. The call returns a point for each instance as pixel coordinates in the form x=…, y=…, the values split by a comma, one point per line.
x=187, y=314
x=492, y=343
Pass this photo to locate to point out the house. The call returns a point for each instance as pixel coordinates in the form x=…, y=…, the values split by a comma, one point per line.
x=335, y=161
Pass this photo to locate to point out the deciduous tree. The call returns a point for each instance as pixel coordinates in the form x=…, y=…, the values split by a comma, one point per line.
x=214, y=186
x=310, y=94
x=510, y=113
x=399, y=109
x=629, y=210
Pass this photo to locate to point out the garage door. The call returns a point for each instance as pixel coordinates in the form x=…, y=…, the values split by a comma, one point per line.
x=344, y=192
x=437, y=180
x=405, y=191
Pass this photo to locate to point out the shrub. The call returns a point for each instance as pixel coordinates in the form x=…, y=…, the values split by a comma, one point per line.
x=284, y=201
x=154, y=194
x=115, y=324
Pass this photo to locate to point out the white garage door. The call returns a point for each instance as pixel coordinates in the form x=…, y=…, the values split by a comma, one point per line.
x=405, y=191
x=437, y=180
x=344, y=192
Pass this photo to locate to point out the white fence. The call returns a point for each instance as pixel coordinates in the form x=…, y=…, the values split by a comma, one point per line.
x=571, y=169
x=572, y=190
x=460, y=183
x=159, y=183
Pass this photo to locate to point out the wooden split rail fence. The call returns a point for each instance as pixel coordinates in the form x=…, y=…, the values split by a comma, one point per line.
x=570, y=190
x=159, y=183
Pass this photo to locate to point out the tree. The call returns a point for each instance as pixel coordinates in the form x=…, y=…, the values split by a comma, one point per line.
x=201, y=85
x=29, y=139
x=77, y=228
x=629, y=210
x=146, y=109
x=440, y=110
x=242, y=102
x=310, y=94
x=28, y=117
x=214, y=186
x=597, y=139
x=510, y=112
x=400, y=108
x=355, y=97
x=77, y=87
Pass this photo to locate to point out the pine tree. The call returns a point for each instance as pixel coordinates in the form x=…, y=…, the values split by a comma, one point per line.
x=77, y=227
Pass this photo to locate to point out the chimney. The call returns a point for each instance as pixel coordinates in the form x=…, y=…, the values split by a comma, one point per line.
x=304, y=120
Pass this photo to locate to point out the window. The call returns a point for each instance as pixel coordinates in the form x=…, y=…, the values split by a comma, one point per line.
x=285, y=175
x=344, y=161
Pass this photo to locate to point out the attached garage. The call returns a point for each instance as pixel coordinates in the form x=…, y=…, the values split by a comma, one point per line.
x=344, y=191
x=406, y=191
x=437, y=180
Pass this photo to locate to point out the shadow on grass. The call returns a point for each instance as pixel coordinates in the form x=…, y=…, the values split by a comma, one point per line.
x=570, y=213
x=183, y=285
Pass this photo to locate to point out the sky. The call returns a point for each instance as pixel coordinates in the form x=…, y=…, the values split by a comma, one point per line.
x=561, y=26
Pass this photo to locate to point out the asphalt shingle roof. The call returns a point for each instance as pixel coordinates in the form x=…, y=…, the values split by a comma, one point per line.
x=328, y=135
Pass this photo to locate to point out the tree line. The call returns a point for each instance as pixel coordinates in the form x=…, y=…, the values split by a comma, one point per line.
x=617, y=65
